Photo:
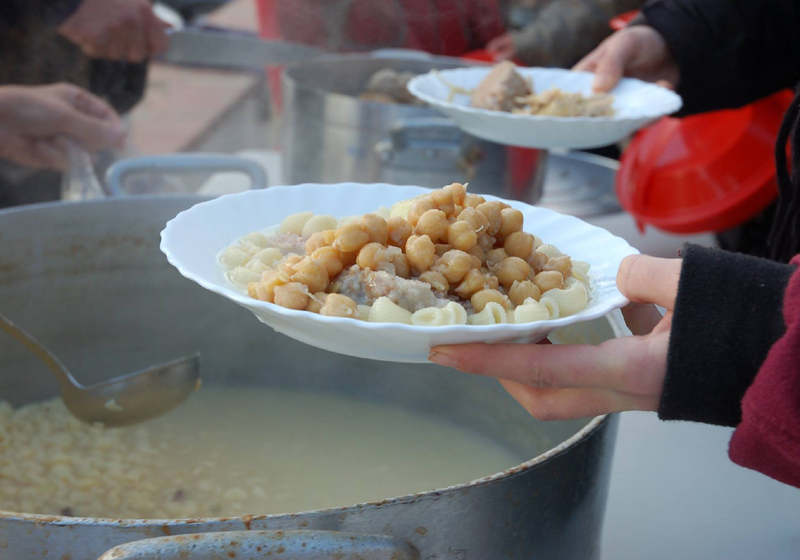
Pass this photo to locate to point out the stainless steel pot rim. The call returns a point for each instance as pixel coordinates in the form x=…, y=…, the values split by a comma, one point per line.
x=582, y=434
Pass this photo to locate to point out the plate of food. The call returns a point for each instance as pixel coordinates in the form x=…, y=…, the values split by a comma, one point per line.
x=542, y=107
x=386, y=272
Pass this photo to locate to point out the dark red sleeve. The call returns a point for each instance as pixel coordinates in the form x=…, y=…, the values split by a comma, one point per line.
x=768, y=438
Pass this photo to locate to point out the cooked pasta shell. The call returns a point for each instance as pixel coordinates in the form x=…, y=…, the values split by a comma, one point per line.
x=531, y=311
x=385, y=310
x=295, y=223
x=551, y=305
x=318, y=223
x=492, y=314
x=550, y=250
x=570, y=300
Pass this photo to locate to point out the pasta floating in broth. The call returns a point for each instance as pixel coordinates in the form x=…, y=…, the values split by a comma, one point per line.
x=441, y=259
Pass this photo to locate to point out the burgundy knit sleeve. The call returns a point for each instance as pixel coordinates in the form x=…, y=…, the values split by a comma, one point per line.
x=768, y=437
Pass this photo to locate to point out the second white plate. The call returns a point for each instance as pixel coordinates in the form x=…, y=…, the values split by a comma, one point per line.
x=636, y=103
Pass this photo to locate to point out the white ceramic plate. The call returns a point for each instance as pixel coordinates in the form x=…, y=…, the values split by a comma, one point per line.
x=637, y=104
x=193, y=239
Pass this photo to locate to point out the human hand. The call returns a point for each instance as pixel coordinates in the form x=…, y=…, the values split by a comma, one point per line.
x=116, y=30
x=502, y=47
x=559, y=382
x=34, y=122
x=639, y=52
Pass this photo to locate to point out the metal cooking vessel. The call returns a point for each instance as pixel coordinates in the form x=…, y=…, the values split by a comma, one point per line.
x=89, y=280
x=332, y=136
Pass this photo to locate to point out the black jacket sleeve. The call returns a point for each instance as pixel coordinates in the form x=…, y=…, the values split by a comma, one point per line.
x=727, y=317
x=730, y=52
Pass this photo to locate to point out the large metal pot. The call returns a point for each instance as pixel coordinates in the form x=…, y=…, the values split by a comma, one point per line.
x=89, y=280
x=332, y=136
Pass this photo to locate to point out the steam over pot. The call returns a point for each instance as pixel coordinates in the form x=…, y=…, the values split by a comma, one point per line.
x=332, y=136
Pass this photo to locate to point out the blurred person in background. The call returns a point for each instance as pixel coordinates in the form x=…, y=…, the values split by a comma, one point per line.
x=558, y=32
x=100, y=45
x=445, y=27
x=727, y=352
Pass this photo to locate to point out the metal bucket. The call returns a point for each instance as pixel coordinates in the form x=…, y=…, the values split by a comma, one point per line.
x=331, y=136
x=89, y=280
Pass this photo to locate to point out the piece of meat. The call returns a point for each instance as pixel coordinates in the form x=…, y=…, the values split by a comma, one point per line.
x=500, y=88
x=364, y=286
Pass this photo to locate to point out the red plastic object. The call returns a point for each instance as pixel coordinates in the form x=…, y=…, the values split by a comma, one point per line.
x=705, y=173
x=623, y=20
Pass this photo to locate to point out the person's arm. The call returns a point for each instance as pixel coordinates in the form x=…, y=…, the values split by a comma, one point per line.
x=694, y=363
x=768, y=438
x=566, y=30
x=727, y=317
x=116, y=30
x=730, y=52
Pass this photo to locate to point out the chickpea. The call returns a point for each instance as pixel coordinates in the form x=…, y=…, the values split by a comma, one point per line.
x=519, y=244
x=366, y=256
x=511, y=270
x=320, y=239
x=289, y=263
x=313, y=274
x=537, y=261
x=421, y=252
x=548, y=280
x=486, y=242
x=458, y=192
x=480, y=299
x=316, y=302
x=473, y=200
x=337, y=305
x=432, y=223
x=444, y=201
x=436, y=279
x=418, y=208
x=475, y=219
x=510, y=222
x=495, y=257
x=454, y=265
x=461, y=236
x=351, y=237
x=348, y=258
x=560, y=264
x=442, y=248
x=377, y=229
x=475, y=262
x=399, y=231
x=478, y=253
x=472, y=283
x=402, y=266
x=265, y=290
x=520, y=291
x=330, y=258
x=293, y=295
x=493, y=212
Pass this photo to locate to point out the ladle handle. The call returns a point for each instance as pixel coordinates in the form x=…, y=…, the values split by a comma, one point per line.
x=257, y=545
x=21, y=335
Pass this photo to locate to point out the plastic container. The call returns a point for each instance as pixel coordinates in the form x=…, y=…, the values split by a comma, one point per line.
x=705, y=173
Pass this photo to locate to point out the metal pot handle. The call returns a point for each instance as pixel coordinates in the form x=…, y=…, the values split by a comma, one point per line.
x=212, y=163
x=256, y=545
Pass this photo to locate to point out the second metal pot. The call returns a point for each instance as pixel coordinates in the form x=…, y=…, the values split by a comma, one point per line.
x=333, y=136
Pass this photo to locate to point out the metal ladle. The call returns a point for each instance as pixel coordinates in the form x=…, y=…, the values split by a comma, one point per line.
x=121, y=401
